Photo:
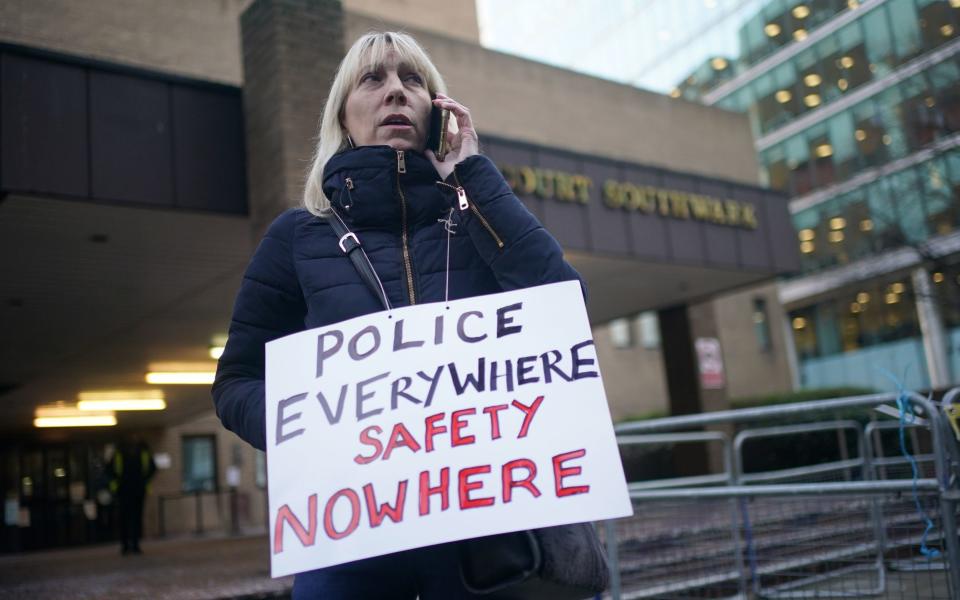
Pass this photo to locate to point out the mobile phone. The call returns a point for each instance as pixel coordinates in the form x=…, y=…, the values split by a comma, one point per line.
x=437, y=140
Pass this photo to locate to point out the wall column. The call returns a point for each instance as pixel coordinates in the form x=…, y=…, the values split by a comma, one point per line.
x=680, y=327
x=291, y=50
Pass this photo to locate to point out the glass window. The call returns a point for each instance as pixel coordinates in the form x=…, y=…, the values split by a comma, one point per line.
x=878, y=42
x=869, y=134
x=199, y=463
x=892, y=120
x=938, y=22
x=810, y=84
x=942, y=207
x=649, y=330
x=621, y=335
x=821, y=151
x=905, y=24
x=918, y=112
x=911, y=218
x=944, y=78
x=761, y=325
x=260, y=468
x=776, y=173
x=843, y=144
x=798, y=161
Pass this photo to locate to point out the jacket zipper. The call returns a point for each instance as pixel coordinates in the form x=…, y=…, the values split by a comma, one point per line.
x=465, y=204
x=407, y=264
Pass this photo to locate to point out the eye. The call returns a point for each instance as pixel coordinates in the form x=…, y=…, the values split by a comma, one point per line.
x=369, y=76
x=414, y=77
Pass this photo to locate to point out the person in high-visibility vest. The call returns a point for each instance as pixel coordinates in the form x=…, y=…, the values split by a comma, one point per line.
x=132, y=465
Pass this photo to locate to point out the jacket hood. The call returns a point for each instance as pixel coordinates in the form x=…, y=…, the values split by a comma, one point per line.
x=378, y=194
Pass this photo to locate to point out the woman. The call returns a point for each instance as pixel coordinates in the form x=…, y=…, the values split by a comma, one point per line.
x=433, y=230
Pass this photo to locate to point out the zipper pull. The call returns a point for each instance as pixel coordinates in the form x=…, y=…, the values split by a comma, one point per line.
x=401, y=162
x=462, y=198
x=349, y=182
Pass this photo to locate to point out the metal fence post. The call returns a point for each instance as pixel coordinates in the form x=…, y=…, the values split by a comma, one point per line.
x=613, y=557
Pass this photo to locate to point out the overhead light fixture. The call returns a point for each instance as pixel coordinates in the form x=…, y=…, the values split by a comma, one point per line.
x=955, y=3
x=897, y=288
x=799, y=322
x=812, y=100
x=719, y=63
x=772, y=29
x=800, y=35
x=866, y=225
x=838, y=223
x=938, y=277
x=946, y=30
x=800, y=11
x=855, y=307
x=71, y=416
x=812, y=80
x=891, y=298
x=824, y=150
x=887, y=139
x=863, y=298
x=853, y=4
x=929, y=101
x=121, y=400
x=783, y=96
x=860, y=134
x=843, y=84
x=181, y=373
x=806, y=235
x=216, y=352
x=835, y=236
x=674, y=93
x=846, y=62
x=807, y=247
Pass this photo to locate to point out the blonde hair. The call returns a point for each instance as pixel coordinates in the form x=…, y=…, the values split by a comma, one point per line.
x=371, y=49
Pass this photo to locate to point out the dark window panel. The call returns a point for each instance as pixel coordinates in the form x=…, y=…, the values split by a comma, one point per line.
x=44, y=129
x=130, y=139
x=209, y=159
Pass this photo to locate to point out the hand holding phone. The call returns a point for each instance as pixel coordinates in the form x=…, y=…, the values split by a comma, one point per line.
x=459, y=144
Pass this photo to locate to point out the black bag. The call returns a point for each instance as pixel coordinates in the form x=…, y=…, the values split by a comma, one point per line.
x=566, y=562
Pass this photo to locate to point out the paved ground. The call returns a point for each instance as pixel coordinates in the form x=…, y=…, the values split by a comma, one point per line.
x=183, y=568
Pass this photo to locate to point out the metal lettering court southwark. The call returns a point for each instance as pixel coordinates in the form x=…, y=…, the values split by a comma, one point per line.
x=865, y=525
x=617, y=208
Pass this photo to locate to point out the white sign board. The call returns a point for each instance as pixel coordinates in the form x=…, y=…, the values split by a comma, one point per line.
x=710, y=360
x=434, y=423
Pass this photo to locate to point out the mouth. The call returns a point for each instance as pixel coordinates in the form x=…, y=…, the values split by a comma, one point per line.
x=396, y=120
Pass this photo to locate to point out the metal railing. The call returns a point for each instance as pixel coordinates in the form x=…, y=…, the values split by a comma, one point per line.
x=870, y=521
x=197, y=496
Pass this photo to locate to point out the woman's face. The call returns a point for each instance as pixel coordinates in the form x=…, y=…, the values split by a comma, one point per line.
x=389, y=105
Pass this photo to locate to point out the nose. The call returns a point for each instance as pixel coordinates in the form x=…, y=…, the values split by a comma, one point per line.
x=395, y=94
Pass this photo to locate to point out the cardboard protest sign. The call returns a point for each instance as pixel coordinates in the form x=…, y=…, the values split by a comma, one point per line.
x=434, y=423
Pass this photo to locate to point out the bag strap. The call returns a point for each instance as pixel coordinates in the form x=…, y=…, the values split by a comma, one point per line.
x=350, y=245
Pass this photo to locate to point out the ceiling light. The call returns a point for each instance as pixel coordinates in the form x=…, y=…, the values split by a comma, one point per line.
x=772, y=30
x=807, y=247
x=812, y=100
x=946, y=30
x=217, y=351
x=891, y=298
x=71, y=416
x=806, y=235
x=783, y=96
x=179, y=373
x=955, y=3
x=896, y=288
x=812, y=80
x=886, y=139
x=843, y=84
x=718, y=63
x=929, y=101
x=838, y=223
x=866, y=225
x=938, y=277
x=835, y=236
x=823, y=150
x=799, y=322
x=855, y=307
x=800, y=35
x=852, y=4
x=121, y=400
x=863, y=298
x=800, y=11
x=846, y=62
x=860, y=135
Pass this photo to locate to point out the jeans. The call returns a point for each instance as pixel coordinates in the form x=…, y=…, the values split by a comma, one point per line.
x=430, y=573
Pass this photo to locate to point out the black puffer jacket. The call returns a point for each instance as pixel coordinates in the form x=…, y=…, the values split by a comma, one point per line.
x=299, y=279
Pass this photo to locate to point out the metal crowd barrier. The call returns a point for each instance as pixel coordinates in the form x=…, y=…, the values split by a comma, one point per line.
x=877, y=522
